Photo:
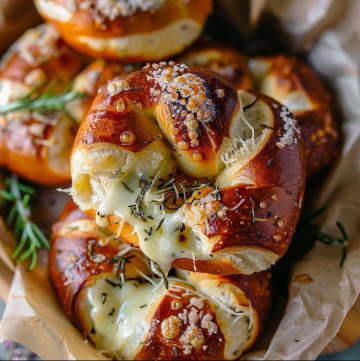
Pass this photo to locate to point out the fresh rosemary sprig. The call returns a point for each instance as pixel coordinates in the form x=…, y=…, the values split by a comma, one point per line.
x=27, y=233
x=306, y=227
x=46, y=101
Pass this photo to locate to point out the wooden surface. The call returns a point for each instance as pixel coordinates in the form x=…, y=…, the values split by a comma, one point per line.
x=349, y=332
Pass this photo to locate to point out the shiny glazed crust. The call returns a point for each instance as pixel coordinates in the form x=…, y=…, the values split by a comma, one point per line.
x=222, y=59
x=34, y=145
x=73, y=272
x=294, y=84
x=126, y=31
x=90, y=80
x=266, y=176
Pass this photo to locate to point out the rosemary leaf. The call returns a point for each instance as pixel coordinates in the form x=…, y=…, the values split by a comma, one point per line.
x=30, y=238
x=55, y=102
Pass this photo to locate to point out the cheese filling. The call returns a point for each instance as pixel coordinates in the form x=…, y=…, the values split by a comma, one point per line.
x=163, y=236
x=122, y=310
x=118, y=314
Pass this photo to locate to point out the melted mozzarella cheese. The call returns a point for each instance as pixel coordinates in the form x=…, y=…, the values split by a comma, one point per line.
x=162, y=245
x=118, y=314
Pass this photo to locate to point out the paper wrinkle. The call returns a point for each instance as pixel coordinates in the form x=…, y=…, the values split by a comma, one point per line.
x=299, y=17
x=321, y=293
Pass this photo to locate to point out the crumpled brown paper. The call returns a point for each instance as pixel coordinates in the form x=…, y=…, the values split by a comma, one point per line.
x=320, y=292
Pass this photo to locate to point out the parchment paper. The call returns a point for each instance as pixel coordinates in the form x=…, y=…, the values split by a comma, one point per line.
x=320, y=292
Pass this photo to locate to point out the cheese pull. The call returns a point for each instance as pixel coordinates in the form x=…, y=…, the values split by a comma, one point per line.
x=112, y=294
x=36, y=143
x=199, y=175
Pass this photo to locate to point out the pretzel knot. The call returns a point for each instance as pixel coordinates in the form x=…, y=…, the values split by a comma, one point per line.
x=200, y=176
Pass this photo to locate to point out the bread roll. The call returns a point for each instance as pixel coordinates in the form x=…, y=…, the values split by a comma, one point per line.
x=222, y=59
x=295, y=85
x=148, y=136
x=34, y=144
x=127, y=30
x=90, y=80
x=111, y=293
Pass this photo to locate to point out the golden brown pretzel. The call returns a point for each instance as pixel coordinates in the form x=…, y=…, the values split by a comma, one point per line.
x=132, y=173
x=199, y=317
x=90, y=80
x=32, y=144
x=295, y=85
x=222, y=59
x=127, y=30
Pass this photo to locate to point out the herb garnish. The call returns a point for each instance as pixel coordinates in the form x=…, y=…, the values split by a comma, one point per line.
x=127, y=187
x=251, y=104
x=113, y=284
x=27, y=233
x=160, y=273
x=307, y=233
x=46, y=101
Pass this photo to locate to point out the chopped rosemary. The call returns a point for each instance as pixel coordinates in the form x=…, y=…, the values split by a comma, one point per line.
x=251, y=104
x=103, y=297
x=127, y=187
x=266, y=126
x=114, y=260
x=113, y=284
x=27, y=233
x=160, y=273
x=160, y=224
x=118, y=172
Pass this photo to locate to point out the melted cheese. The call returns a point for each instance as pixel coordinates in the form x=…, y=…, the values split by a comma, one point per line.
x=162, y=246
x=167, y=244
x=119, y=324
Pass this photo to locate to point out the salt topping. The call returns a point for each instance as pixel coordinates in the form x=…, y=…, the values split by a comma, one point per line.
x=117, y=86
x=44, y=39
x=208, y=325
x=290, y=126
x=105, y=9
x=194, y=301
x=188, y=95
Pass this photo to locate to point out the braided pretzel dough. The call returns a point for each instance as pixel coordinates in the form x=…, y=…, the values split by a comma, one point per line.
x=132, y=316
x=148, y=136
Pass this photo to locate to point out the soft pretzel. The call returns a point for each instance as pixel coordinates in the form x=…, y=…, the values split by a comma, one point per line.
x=222, y=59
x=129, y=30
x=147, y=138
x=90, y=80
x=112, y=295
x=33, y=144
x=295, y=85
